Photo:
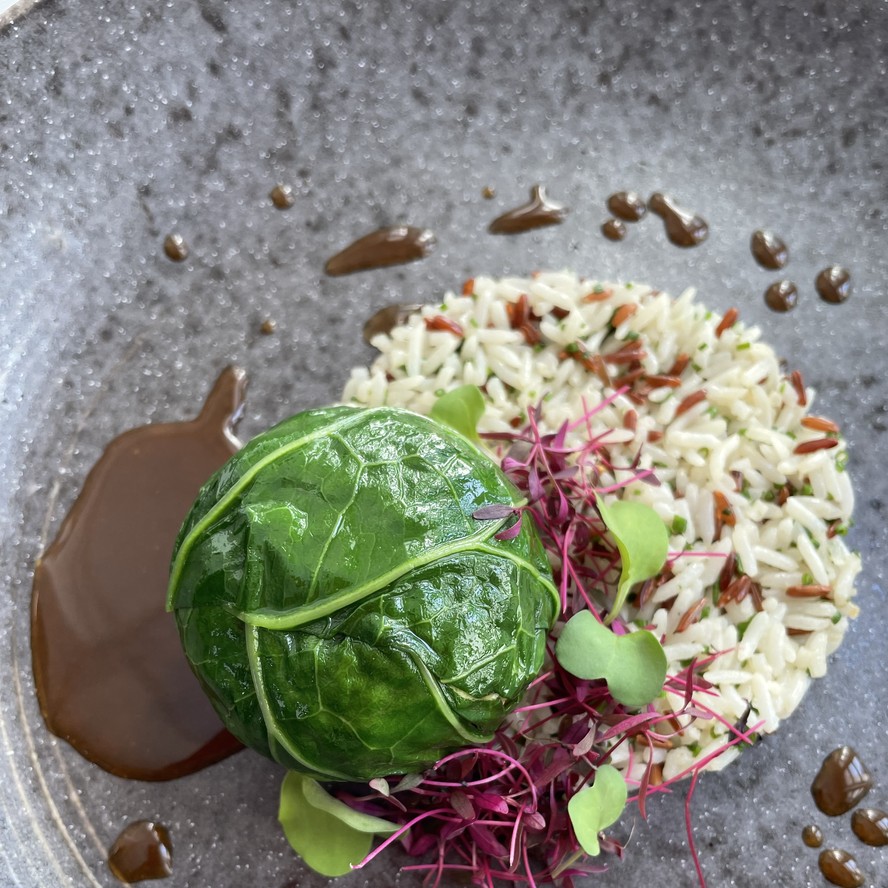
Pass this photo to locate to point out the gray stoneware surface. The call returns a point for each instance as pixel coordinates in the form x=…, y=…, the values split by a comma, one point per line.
x=122, y=122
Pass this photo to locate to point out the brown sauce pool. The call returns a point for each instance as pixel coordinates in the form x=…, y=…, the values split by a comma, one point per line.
x=109, y=669
x=683, y=228
x=386, y=246
x=142, y=851
x=538, y=212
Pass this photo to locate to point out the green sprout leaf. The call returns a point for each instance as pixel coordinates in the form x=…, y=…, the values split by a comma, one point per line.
x=596, y=807
x=460, y=409
x=633, y=665
x=642, y=540
x=328, y=835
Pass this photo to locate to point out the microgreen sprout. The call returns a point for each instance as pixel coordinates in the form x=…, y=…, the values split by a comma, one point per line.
x=529, y=807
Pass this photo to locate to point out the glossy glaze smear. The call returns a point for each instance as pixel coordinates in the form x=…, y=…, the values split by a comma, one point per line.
x=870, y=825
x=841, y=782
x=683, y=228
x=538, y=212
x=109, y=669
x=840, y=868
x=769, y=250
x=142, y=851
x=627, y=205
x=395, y=245
x=386, y=319
x=782, y=296
x=833, y=284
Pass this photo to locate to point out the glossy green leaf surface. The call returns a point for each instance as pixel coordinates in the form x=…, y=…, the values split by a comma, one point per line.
x=343, y=610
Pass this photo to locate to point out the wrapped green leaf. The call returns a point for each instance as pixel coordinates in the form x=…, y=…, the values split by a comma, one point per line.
x=340, y=605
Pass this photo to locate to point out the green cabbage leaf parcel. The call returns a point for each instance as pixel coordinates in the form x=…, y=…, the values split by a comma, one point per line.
x=344, y=611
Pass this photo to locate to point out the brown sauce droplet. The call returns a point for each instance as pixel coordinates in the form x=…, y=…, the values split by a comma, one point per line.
x=538, y=212
x=175, y=247
x=109, y=669
x=769, y=250
x=613, y=229
x=683, y=228
x=282, y=196
x=268, y=327
x=142, y=851
x=840, y=868
x=782, y=296
x=386, y=246
x=812, y=836
x=386, y=319
x=627, y=205
x=833, y=284
x=870, y=825
x=488, y=193
x=841, y=782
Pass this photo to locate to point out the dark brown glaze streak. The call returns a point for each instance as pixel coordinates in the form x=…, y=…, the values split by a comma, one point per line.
x=627, y=205
x=683, y=228
x=395, y=245
x=538, y=212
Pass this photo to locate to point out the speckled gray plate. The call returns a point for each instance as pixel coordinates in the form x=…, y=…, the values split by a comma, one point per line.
x=122, y=122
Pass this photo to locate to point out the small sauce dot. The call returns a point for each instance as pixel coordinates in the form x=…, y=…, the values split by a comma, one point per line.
x=833, y=284
x=613, y=230
x=782, y=296
x=268, y=327
x=175, y=247
x=812, y=836
x=142, y=851
x=282, y=196
x=488, y=193
x=769, y=250
x=840, y=868
x=870, y=825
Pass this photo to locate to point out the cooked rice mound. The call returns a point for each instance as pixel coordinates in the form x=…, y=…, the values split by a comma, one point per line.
x=737, y=472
